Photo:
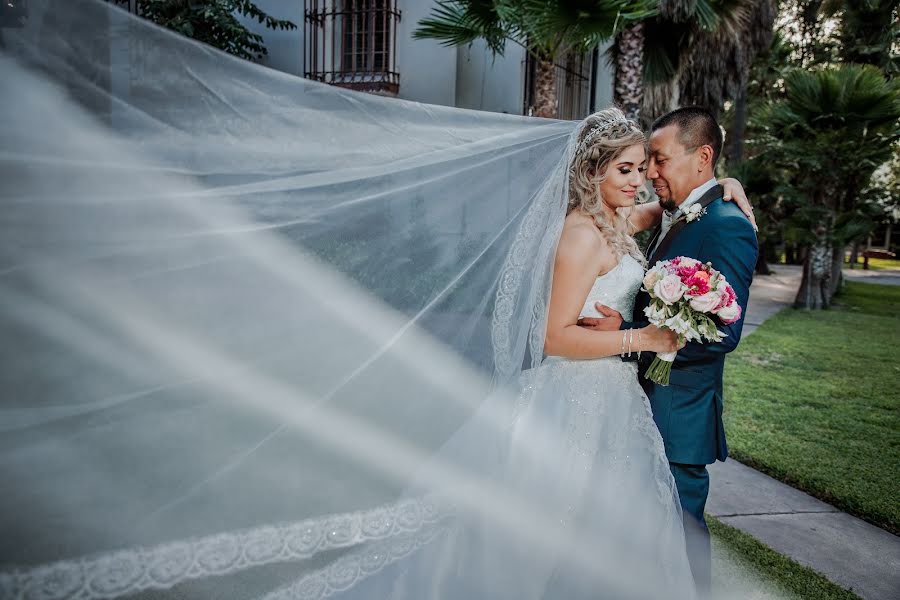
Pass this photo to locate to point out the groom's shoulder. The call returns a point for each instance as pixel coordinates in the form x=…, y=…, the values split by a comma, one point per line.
x=727, y=215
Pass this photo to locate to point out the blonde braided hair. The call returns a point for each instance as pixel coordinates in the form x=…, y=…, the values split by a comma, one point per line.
x=604, y=135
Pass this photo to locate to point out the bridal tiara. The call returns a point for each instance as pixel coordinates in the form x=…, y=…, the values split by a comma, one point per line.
x=596, y=131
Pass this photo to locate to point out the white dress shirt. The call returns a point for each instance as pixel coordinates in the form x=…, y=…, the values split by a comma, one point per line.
x=669, y=218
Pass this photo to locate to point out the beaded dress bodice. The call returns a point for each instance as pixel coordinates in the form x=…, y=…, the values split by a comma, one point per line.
x=616, y=288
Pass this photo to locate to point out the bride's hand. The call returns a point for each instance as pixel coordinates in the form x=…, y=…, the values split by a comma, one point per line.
x=734, y=191
x=658, y=340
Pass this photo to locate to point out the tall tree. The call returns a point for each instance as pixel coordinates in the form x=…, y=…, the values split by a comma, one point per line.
x=214, y=22
x=761, y=177
x=628, y=58
x=831, y=131
x=869, y=32
x=700, y=51
x=548, y=29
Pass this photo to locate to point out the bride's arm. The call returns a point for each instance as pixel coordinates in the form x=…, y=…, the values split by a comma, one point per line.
x=647, y=215
x=578, y=257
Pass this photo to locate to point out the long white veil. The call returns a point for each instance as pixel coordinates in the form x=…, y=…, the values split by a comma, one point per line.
x=244, y=315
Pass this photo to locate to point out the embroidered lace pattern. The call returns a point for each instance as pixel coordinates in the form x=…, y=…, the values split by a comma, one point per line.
x=402, y=527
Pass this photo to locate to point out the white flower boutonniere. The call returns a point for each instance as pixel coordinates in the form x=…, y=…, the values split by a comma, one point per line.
x=694, y=212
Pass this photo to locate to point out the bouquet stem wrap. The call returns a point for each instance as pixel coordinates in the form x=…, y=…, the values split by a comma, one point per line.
x=661, y=368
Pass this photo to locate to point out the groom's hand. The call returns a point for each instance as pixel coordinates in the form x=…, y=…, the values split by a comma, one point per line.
x=611, y=320
x=734, y=191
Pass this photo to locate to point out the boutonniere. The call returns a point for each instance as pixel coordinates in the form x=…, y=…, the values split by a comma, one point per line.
x=694, y=212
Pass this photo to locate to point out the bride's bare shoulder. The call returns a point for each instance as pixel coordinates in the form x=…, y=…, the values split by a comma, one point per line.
x=581, y=242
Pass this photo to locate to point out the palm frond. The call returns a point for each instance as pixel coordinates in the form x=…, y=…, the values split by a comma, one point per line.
x=460, y=22
x=678, y=11
x=573, y=25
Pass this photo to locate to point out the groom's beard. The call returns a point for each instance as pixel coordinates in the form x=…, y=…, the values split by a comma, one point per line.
x=668, y=204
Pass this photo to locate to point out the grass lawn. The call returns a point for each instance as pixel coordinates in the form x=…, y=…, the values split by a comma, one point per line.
x=739, y=556
x=877, y=264
x=813, y=399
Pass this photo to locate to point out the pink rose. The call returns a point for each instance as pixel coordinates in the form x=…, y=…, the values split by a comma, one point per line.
x=706, y=303
x=730, y=313
x=728, y=296
x=669, y=289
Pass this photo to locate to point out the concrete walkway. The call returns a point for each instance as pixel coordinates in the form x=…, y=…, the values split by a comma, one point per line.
x=848, y=551
x=883, y=276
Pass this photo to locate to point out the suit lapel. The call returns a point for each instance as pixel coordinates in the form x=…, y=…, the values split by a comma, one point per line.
x=708, y=198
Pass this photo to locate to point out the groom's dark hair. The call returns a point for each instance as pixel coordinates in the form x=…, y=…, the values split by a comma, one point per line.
x=696, y=127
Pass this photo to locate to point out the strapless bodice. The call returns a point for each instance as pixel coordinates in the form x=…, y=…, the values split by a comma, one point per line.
x=616, y=288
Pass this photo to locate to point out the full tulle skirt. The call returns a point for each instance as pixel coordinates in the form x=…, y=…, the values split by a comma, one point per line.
x=593, y=511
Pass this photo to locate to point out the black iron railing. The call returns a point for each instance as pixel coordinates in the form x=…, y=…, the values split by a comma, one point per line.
x=353, y=44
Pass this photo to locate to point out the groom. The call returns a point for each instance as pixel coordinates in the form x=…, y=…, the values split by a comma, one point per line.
x=684, y=147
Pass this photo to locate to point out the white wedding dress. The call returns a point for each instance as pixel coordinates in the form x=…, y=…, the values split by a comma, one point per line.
x=583, y=448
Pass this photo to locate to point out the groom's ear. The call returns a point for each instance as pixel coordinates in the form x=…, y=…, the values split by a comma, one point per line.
x=706, y=156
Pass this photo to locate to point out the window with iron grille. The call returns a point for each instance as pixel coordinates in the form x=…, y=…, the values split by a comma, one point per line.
x=353, y=43
x=575, y=72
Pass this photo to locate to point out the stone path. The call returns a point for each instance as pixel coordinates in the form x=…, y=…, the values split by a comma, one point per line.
x=848, y=551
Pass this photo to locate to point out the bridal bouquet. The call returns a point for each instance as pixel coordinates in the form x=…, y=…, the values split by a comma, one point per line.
x=685, y=293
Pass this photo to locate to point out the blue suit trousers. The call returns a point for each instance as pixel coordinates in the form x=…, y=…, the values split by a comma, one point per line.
x=692, y=482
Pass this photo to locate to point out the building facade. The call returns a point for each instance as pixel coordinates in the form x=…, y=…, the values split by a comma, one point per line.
x=368, y=45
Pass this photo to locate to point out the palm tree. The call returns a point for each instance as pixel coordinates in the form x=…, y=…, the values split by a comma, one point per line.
x=548, y=29
x=628, y=91
x=870, y=32
x=833, y=128
x=700, y=52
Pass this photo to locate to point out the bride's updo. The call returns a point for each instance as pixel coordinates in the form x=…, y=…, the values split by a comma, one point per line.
x=603, y=136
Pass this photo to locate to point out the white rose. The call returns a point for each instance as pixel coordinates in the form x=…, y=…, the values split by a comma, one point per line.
x=731, y=313
x=687, y=261
x=669, y=289
x=707, y=302
x=651, y=278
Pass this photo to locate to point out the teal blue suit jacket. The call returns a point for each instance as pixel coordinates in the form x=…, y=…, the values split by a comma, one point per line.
x=688, y=412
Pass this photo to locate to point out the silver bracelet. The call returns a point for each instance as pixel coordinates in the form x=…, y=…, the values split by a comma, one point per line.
x=624, y=334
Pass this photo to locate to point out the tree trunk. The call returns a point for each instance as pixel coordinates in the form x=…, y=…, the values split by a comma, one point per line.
x=815, y=287
x=736, y=148
x=545, y=100
x=628, y=90
x=793, y=254
x=762, y=266
x=854, y=254
x=837, y=272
